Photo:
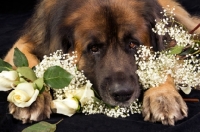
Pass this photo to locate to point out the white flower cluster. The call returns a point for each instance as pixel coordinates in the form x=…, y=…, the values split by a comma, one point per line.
x=67, y=62
x=154, y=67
x=98, y=107
x=187, y=73
x=169, y=26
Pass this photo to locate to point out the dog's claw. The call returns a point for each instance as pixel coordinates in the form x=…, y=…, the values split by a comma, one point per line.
x=162, y=118
x=184, y=112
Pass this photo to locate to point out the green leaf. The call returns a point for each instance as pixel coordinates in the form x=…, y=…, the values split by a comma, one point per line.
x=101, y=102
x=57, y=77
x=176, y=50
x=27, y=73
x=4, y=66
x=41, y=127
x=187, y=51
x=20, y=59
x=96, y=93
x=39, y=84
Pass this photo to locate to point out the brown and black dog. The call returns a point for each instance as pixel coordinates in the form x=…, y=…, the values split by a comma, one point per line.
x=105, y=34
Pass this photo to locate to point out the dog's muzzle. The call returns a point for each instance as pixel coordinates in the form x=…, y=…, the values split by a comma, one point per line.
x=120, y=87
x=121, y=92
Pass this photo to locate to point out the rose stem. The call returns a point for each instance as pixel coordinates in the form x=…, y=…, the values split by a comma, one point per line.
x=191, y=100
x=191, y=32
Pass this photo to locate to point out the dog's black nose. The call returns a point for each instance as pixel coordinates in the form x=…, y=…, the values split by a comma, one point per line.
x=121, y=93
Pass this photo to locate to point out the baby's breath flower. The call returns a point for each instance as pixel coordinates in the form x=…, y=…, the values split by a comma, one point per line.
x=153, y=69
x=98, y=107
x=168, y=25
x=67, y=62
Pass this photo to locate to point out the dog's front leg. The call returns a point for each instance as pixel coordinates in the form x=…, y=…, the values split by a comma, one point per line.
x=26, y=48
x=164, y=104
x=39, y=110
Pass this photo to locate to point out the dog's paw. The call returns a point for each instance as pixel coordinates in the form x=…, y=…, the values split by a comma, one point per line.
x=164, y=105
x=39, y=110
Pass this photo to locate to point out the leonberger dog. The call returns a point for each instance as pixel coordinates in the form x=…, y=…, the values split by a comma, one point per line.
x=105, y=34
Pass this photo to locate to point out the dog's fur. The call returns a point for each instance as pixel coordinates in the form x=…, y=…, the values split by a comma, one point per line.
x=105, y=34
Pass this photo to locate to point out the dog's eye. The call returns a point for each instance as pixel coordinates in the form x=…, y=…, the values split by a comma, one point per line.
x=132, y=45
x=94, y=48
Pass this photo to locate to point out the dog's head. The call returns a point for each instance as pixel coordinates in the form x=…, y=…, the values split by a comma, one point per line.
x=105, y=34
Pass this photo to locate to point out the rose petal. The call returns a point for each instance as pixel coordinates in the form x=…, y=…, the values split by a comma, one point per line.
x=71, y=103
x=66, y=107
x=186, y=90
x=9, y=98
x=26, y=87
x=18, y=96
x=27, y=104
x=87, y=94
x=69, y=94
x=86, y=97
x=10, y=75
x=78, y=93
x=5, y=84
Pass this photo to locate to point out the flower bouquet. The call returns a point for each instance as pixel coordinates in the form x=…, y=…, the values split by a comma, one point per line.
x=180, y=59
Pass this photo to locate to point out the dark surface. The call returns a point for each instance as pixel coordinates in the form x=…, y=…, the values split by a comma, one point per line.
x=13, y=15
x=102, y=123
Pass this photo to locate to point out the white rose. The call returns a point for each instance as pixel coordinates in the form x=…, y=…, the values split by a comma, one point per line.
x=67, y=106
x=7, y=79
x=85, y=93
x=23, y=95
x=186, y=90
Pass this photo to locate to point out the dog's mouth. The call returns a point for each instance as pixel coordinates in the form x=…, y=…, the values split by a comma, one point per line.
x=122, y=97
x=122, y=101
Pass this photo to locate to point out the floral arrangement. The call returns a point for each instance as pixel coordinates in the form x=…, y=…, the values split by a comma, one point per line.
x=72, y=92
x=180, y=60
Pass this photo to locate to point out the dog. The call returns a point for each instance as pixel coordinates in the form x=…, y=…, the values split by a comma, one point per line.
x=105, y=34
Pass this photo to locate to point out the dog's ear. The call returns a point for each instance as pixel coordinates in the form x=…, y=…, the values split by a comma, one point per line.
x=40, y=29
x=45, y=28
x=152, y=13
